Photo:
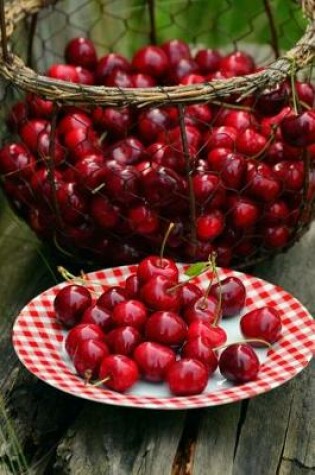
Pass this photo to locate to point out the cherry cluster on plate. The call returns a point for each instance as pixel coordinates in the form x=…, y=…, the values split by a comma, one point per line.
x=113, y=178
x=160, y=329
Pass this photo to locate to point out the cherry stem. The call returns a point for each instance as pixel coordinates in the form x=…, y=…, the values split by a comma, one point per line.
x=87, y=376
x=212, y=266
x=219, y=304
x=250, y=340
x=180, y=284
x=73, y=278
x=99, y=383
x=266, y=146
x=167, y=234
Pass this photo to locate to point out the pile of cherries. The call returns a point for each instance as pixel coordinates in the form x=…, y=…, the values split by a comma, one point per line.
x=113, y=178
x=161, y=330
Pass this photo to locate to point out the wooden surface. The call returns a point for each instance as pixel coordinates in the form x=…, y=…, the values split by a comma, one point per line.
x=268, y=435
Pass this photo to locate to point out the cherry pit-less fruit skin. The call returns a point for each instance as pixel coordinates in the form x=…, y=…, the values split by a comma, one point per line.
x=215, y=336
x=167, y=328
x=239, y=363
x=99, y=316
x=153, y=266
x=82, y=332
x=263, y=323
x=158, y=294
x=187, y=377
x=199, y=349
x=130, y=313
x=233, y=295
x=88, y=357
x=154, y=360
x=70, y=303
x=123, y=340
x=119, y=372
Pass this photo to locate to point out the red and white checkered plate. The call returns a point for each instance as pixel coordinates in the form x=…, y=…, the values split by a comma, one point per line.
x=38, y=341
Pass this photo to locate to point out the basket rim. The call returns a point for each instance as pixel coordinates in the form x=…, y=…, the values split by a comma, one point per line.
x=14, y=70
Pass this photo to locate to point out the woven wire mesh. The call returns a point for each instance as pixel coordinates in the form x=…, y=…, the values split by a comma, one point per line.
x=117, y=207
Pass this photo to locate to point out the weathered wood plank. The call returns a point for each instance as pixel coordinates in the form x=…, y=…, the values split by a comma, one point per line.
x=117, y=441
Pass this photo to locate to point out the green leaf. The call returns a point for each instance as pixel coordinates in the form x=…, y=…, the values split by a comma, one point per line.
x=196, y=269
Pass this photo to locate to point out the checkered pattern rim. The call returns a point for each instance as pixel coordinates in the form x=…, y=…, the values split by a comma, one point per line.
x=37, y=339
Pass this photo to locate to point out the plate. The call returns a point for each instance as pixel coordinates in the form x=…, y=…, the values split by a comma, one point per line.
x=38, y=342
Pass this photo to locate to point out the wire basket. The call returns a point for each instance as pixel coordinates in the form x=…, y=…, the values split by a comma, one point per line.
x=193, y=112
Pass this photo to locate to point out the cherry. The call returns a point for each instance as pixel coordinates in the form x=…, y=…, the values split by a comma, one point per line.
x=199, y=349
x=74, y=120
x=157, y=294
x=71, y=203
x=291, y=174
x=198, y=115
x=116, y=120
x=118, y=372
x=45, y=151
x=244, y=213
x=118, y=78
x=270, y=126
x=130, y=313
x=238, y=63
x=151, y=60
x=98, y=315
x=151, y=122
x=262, y=183
x=215, y=336
x=82, y=332
x=166, y=327
x=105, y=214
x=38, y=107
x=239, y=119
x=85, y=76
x=233, y=295
x=31, y=130
x=182, y=69
x=305, y=92
x=143, y=220
x=250, y=143
x=189, y=79
x=122, y=183
x=88, y=357
x=210, y=226
x=132, y=286
x=161, y=186
x=208, y=60
x=111, y=297
x=239, y=363
x=153, y=360
x=153, y=266
x=123, y=340
x=81, y=142
x=299, y=130
x=262, y=323
x=198, y=250
x=70, y=303
x=176, y=50
x=63, y=72
x=208, y=190
x=222, y=137
x=272, y=102
x=204, y=309
x=81, y=52
x=232, y=168
x=187, y=377
x=17, y=116
x=276, y=212
x=16, y=161
x=189, y=293
x=109, y=63
x=142, y=80
x=276, y=236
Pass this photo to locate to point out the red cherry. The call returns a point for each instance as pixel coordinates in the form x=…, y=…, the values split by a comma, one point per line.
x=132, y=286
x=81, y=142
x=263, y=323
x=238, y=63
x=151, y=60
x=192, y=79
x=39, y=108
x=270, y=126
x=239, y=363
x=250, y=143
x=122, y=182
x=98, y=315
x=166, y=327
x=157, y=294
x=130, y=313
x=143, y=220
x=17, y=116
x=63, y=72
x=45, y=151
x=72, y=121
x=203, y=309
x=70, y=303
x=271, y=102
x=189, y=293
x=208, y=60
x=198, y=250
x=198, y=115
x=142, y=80
x=276, y=237
x=184, y=67
x=276, y=213
x=123, y=340
x=240, y=120
x=210, y=226
x=175, y=50
x=233, y=295
x=111, y=297
x=82, y=332
x=31, y=130
x=118, y=372
x=116, y=121
x=215, y=336
x=187, y=377
x=88, y=357
x=299, y=130
x=245, y=213
x=262, y=182
x=198, y=348
x=291, y=174
x=151, y=122
x=16, y=161
x=153, y=266
x=105, y=214
x=118, y=78
x=222, y=137
x=72, y=205
x=109, y=63
x=153, y=360
x=81, y=52
x=208, y=190
x=85, y=76
x=305, y=92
